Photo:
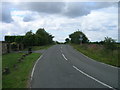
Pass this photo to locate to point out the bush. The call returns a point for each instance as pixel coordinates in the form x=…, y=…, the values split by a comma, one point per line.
x=109, y=43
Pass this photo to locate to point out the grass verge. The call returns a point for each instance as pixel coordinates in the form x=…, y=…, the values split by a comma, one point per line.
x=100, y=54
x=18, y=78
x=34, y=48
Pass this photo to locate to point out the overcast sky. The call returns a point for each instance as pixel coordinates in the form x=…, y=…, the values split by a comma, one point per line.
x=96, y=19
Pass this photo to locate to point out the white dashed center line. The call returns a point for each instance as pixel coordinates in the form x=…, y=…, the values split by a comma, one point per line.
x=88, y=75
x=64, y=57
x=93, y=78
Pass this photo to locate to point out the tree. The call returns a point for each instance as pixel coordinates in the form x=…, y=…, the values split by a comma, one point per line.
x=42, y=37
x=50, y=38
x=19, y=39
x=29, y=39
x=109, y=43
x=67, y=40
x=75, y=37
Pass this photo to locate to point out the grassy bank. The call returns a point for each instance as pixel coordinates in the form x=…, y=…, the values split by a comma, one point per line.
x=34, y=48
x=40, y=47
x=99, y=53
x=19, y=76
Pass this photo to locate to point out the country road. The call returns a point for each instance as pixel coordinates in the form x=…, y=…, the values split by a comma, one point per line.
x=61, y=66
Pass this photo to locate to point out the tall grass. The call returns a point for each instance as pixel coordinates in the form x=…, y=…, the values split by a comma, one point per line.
x=99, y=53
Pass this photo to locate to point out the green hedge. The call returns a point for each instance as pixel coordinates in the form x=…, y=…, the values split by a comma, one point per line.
x=14, y=39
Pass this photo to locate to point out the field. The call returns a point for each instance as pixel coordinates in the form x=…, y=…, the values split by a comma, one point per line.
x=99, y=53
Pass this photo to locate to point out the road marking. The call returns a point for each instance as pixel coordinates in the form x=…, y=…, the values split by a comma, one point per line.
x=35, y=66
x=97, y=61
x=64, y=57
x=61, y=47
x=93, y=78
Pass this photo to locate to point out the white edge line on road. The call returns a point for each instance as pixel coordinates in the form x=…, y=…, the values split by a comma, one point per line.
x=97, y=61
x=64, y=57
x=93, y=78
x=35, y=66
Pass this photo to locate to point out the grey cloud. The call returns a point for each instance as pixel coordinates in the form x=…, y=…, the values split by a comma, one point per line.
x=6, y=17
x=6, y=14
x=46, y=7
x=76, y=9
x=28, y=18
x=41, y=7
x=98, y=5
x=69, y=9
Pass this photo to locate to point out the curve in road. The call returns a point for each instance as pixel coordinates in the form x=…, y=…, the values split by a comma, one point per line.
x=61, y=66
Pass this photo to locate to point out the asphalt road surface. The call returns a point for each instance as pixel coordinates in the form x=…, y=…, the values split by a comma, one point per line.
x=61, y=66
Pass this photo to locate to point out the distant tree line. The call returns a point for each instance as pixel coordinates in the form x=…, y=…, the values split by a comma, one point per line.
x=77, y=37
x=41, y=37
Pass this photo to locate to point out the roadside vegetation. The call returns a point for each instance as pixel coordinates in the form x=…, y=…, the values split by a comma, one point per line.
x=34, y=48
x=106, y=51
x=99, y=53
x=40, y=38
x=17, y=66
x=19, y=72
x=34, y=41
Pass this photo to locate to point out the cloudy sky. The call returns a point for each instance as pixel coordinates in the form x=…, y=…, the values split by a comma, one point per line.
x=96, y=19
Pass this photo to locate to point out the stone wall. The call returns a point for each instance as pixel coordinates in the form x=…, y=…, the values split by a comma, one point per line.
x=6, y=47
